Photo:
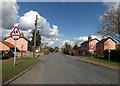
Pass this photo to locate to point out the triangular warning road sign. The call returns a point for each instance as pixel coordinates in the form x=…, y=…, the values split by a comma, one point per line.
x=15, y=32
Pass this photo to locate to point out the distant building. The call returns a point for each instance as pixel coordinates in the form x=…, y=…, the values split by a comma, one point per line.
x=73, y=52
x=88, y=46
x=105, y=44
x=45, y=49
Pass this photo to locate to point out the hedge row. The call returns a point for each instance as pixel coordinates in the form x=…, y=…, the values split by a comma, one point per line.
x=114, y=55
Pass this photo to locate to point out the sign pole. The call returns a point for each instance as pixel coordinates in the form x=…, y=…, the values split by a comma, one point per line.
x=15, y=34
x=109, y=54
x=15, y=53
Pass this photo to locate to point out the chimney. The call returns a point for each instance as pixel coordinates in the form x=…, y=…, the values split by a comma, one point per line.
x=22, y=34
x=89, y=38
x=28, y=38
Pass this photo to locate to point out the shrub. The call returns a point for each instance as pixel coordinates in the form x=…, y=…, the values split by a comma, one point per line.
x=10, y=54
x=46, y=52
x=65, y=51
x=72, y=54
x=5, y=57
x=56, y=50
x=51, y=50
x=87, y=53
x=114, y=55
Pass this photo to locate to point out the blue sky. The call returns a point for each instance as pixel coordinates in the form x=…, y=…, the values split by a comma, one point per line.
x=73, y=19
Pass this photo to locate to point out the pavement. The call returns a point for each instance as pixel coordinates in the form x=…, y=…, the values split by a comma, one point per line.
x=60, y=69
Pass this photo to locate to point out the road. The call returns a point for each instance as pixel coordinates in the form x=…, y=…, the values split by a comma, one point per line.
x=60, y=69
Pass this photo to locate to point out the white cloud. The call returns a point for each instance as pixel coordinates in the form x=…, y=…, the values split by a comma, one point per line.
x=110, y=0
x=27, y=22
x=85, y=38
x=9, y=14
x=8, y=17
x=55, y=42
x=111, y=6
x=49, y=35
x=82, y=38
x=69, y=42
x=54, y=31
x=52, y=42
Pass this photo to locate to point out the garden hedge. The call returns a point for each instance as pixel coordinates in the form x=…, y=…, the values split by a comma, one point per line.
x=114, y=55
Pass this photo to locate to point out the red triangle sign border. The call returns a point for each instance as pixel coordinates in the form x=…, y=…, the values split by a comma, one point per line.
x=15, y=34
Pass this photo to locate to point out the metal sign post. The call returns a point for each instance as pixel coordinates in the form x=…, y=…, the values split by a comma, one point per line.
x=15, y=37
x=15, y=34
x=15, y=53
x=109, y=55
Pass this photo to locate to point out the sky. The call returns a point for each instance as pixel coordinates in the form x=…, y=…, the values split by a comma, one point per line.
x=72, y=19
x=61, y=21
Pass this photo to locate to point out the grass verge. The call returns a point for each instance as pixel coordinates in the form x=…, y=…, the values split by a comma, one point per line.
x=9, y=71
x=104, y=61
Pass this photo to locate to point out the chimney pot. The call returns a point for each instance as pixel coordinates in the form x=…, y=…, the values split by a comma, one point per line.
x=22, y=34
x=89, y=38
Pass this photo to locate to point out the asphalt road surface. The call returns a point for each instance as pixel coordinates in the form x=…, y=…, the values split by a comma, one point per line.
x=60, y=69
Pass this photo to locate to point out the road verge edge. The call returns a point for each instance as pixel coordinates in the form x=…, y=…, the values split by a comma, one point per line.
x=99, y=64
x=18, y=75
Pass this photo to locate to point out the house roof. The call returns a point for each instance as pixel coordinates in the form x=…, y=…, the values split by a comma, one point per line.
x=8, y=44
x=105, y=39
x=89, y=41
x=25, y=38
x=18, y=38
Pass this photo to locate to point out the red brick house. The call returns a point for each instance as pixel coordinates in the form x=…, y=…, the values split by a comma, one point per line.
x=23, y=44
x=105, y=44
x=88, y=46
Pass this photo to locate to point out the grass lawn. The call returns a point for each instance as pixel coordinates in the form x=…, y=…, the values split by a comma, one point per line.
x=104, y=61
x=9, y=71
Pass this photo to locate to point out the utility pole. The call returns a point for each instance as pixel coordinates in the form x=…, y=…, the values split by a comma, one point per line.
x=118, y=20
x=34, y=51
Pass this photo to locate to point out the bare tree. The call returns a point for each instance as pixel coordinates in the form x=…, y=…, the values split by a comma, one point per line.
x=110, y=25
